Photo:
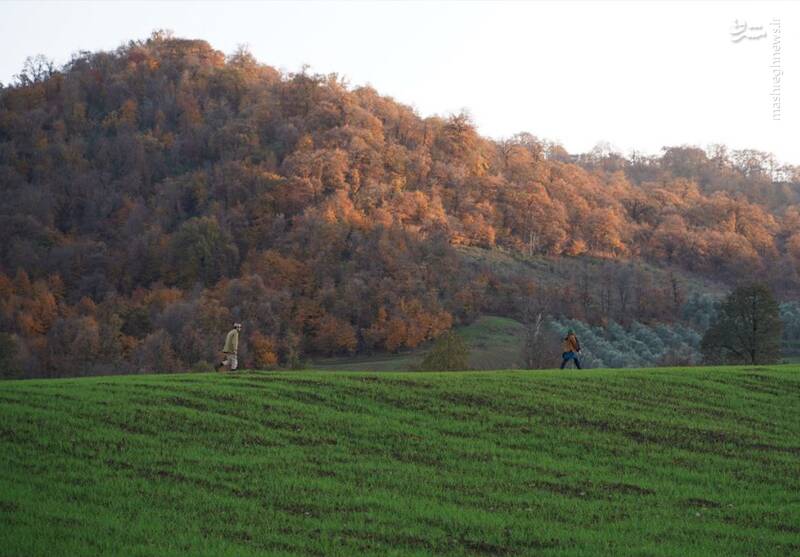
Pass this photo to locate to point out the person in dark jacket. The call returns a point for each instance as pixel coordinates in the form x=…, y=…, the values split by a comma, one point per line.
x=571, y=348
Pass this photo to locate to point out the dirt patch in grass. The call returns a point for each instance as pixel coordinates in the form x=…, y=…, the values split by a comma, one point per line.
x=280, y=426
x=129, y=427
x=457, y=434
x=364, y=379
x=484, y=548
x=417, y=457
x=234, y=468
x=697, y=502
x=774, y=448
x=400, y=402
x=477, y=402
x=186, y=403
x=8, y=507
x=239, y=536
x=306, y=397
x=406, y=384
x=393, y=540
x=593, y=491
x=252, y=440
x=503, y=428
x=298, y=509
x=630, y=489
x=305, y=441
x=174, y=476
x=469, y=399
x=146, y=387
x=64, y=521
x=560, y=489
x=762, y=383
x=223, y=398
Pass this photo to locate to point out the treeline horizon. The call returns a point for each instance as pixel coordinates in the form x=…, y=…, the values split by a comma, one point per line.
x=156, y=193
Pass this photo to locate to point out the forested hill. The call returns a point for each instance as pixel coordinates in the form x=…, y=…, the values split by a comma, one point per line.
x=153, y=194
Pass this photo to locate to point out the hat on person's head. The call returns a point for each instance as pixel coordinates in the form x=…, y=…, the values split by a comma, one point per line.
x=570, y=332
x=237, y=324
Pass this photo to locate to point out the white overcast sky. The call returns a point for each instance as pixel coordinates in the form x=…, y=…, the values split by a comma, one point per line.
x=640, y=75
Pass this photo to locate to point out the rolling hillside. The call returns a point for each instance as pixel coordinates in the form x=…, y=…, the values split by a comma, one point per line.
x=154, y=194
x=674, y=461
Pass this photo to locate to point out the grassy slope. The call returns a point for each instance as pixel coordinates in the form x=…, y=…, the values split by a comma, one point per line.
x=494, y=342
x=655, y=462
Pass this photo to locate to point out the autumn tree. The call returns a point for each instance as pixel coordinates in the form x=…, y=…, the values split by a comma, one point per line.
x=264, y=350
x=156, y=355
x=8, y=356
x=334, y=336
x=201, y=251
x=541, y=344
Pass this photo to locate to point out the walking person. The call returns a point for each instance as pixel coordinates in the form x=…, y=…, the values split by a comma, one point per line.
x=231, y=348
x=571, y=348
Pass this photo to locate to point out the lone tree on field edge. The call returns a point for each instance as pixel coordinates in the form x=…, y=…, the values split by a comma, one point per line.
x=747, y=328
x=448, y=353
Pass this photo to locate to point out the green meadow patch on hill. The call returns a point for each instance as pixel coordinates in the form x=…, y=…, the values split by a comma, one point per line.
x=667, y=461
x=493, y=341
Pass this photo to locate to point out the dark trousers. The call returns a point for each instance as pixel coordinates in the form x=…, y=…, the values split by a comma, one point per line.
x=567, y=356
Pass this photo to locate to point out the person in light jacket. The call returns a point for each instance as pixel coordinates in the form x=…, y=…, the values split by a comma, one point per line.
x=231, y=348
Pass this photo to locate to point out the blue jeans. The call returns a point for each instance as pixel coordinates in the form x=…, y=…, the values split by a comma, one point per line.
x=567, y=356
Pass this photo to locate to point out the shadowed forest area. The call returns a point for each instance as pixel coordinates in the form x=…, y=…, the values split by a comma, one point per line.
x=154, y=194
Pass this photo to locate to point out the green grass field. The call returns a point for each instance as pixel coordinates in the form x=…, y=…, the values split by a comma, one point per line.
x=697, y=461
